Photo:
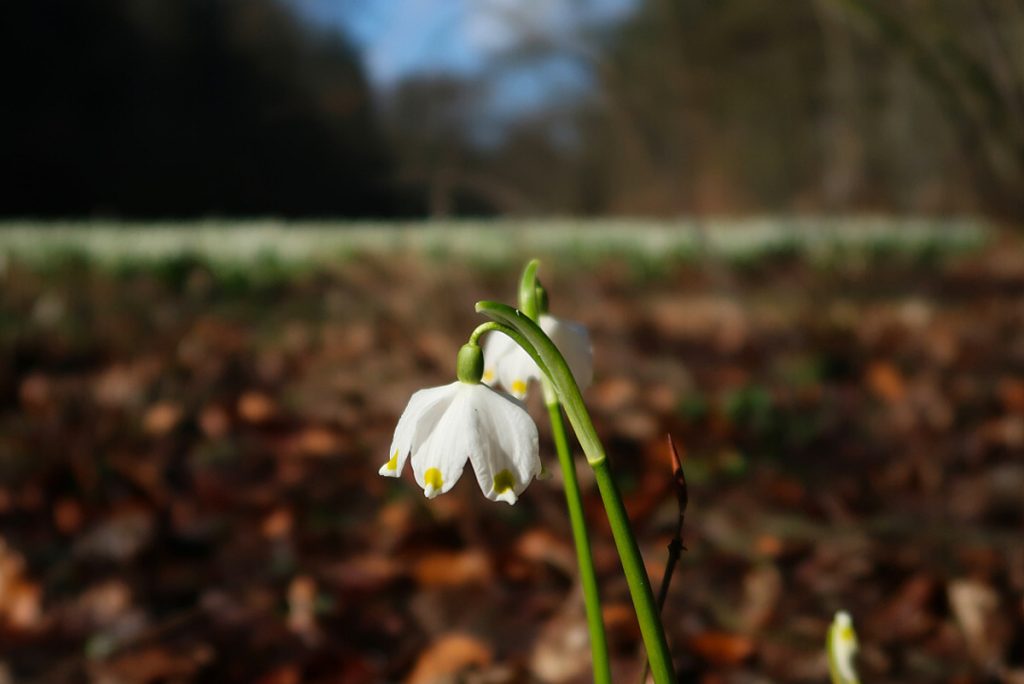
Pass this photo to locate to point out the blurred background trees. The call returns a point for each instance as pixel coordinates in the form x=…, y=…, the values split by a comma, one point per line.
x=195, y=107
x=156, y=108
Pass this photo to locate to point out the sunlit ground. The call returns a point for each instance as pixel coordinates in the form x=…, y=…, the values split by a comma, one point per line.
x=193, y=419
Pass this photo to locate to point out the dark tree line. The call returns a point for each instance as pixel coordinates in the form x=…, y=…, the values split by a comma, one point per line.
x=191, y=107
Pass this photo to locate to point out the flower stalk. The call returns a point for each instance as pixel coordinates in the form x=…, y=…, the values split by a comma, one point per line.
x=536, y=343
x=584, y=557
x=529, y=303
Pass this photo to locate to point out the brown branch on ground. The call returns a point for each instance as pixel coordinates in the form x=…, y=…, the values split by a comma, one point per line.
x=675, y=545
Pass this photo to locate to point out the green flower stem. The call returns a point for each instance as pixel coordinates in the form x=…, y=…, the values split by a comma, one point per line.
x=474, y=338
x=647, y=613
x=529, y=304
x=553, y=365
x=588, y=575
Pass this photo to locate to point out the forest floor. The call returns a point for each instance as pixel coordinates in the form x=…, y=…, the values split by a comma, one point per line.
x=189, y=454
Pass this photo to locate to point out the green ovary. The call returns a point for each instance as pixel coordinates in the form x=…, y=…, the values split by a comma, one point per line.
x=504, y=481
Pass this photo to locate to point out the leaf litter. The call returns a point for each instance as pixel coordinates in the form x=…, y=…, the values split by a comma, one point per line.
x=188, y=488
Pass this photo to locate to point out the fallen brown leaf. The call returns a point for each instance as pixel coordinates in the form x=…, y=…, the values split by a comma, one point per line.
x=214, y=422
x=35, y=392
x=367, y=572
x=317, y=441
x=152, y=664
x=561, y=651
x=722, y=648
x=450, y=655
x=161, y=418
x=762, y=588
x=256, y=407
x=982, y=620
x=905, y=615
x=541, y=546
x=278, y=523
x=452, y=569
x=286, y=674
x=620, y=623
x=886, y=382
x=68, y=515
x=302, y=607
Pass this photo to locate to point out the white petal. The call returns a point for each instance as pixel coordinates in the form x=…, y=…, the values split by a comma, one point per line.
x=508, y=458
x=496, y=346
x=573, y=341
x=438, y=462
x=515, y=370
x=421, y=414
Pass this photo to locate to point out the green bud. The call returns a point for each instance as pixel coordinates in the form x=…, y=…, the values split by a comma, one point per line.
x=470, y=363
x=542, y=299
x=528, y=290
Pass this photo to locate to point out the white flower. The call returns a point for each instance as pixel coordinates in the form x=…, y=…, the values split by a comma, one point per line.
x=442, y=427
x=507, y=363
x=842, y=648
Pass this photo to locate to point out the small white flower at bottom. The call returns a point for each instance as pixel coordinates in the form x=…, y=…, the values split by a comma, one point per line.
x=507, y=363
x=842, y=648
x=443, y=427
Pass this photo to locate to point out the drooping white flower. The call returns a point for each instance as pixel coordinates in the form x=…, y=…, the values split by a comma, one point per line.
x=443, y=427
x=842, y=648
x=507, y=363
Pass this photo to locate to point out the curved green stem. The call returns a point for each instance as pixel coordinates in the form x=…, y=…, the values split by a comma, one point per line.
x=474, y=338
x=588, y=575
x=553, y=365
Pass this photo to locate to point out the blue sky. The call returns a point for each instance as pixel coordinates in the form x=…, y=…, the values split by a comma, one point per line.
x=403, y=38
